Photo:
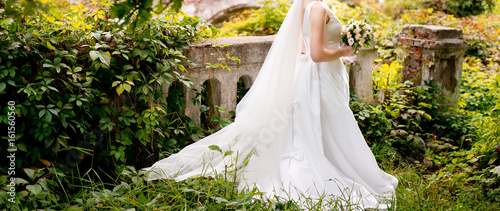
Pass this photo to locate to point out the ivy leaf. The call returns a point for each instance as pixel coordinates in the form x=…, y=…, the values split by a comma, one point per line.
x=22, y=147
x=35, y=189
x=54, y=112
x=21, y=181
x=47, y=65
x=127, y=87
x=48, y=116
x=2, y=86
x=140, y=134
x=30, y=173
x=143, y=54
x=48, y=142
x=496, y=170
x=105, y=58
x=41, y=113
x=119, y=89
x=115, y=83
x=97, y=46
x=135, y=52
x=94, y=55
x=128, y=67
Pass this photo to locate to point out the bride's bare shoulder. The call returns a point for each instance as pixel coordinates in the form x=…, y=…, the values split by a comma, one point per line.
x=315, y=7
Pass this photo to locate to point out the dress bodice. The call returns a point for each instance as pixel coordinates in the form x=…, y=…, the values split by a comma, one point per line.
x=332, y=30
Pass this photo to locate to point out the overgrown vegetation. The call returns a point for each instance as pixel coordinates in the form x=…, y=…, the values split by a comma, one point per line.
x=89, y=96
x=90, y=109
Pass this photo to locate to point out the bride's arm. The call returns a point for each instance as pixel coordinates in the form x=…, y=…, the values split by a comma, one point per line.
x=318, y=51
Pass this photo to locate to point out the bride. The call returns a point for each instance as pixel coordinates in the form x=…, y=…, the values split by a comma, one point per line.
x=294, y=135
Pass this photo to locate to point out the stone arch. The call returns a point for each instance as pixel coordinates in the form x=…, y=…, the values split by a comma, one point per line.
x=176, y=97
x=223, y=15
x=244, y=84
x=211, y=97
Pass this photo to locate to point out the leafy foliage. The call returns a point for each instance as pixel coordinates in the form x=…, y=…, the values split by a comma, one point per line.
x=130, y=11
x=89, y=95
x=264, y=21
x=464, y=8
x=90, y=102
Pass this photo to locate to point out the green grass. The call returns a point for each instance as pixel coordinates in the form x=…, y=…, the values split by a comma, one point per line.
x=416, y=191
x=134, y=192
x=421, y=192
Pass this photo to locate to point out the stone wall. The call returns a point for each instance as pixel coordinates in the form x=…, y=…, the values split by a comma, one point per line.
x=252, y=52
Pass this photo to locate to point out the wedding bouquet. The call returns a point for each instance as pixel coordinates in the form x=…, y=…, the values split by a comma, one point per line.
x=357, y=34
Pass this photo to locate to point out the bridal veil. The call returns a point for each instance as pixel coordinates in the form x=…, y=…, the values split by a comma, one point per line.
x=262, y=124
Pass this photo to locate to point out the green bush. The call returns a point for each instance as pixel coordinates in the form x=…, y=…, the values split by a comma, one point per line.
x=264, y=21
x=89, y=95
x=464, y=8
x=409, y=119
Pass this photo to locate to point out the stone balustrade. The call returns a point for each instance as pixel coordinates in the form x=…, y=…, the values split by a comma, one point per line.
x=432, y=53
x=222, y=84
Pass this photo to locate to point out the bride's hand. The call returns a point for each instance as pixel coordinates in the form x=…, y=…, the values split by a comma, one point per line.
x=347, y=61
x=347, y=50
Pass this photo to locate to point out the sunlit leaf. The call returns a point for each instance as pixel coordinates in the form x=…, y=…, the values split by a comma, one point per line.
x=94, y=55
x=105, y=58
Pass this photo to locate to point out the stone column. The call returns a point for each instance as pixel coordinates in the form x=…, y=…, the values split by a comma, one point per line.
x=433, y=53
x=360, y=74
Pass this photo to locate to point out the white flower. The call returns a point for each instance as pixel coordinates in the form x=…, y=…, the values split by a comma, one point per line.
x=367, y=27
x=362, y=41
x=349, y=35
x=365, y=35
x=358, y=36
x=350, y=41
x=351, y=27
x=358, y=30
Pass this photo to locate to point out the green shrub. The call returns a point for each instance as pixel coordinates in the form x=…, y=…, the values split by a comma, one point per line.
x=89, y=95
x=264, y=21
x=410, y=120
x=464, y=8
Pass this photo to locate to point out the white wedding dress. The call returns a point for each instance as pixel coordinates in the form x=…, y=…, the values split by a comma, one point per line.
x=303, y=143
